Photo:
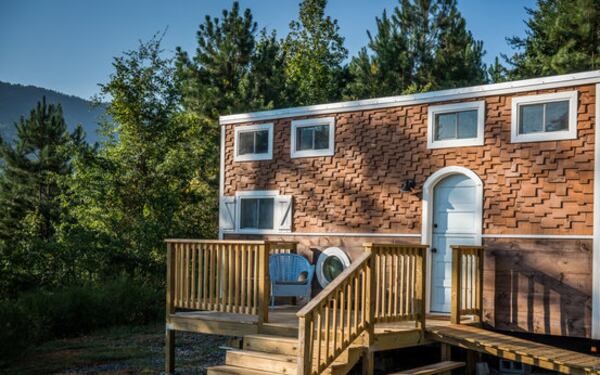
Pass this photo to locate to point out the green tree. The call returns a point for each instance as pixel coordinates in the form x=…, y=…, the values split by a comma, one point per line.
x=231, y=71
x=32, y=187
x=497, y=72
x=155, y=176
x=315, y=53
x=424, y=45
x=563, y=36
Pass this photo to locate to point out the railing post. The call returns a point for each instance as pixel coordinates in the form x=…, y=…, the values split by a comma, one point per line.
x=263, y=283
x=480, y=291
x=304, y=357
x=456, y=285
x=421, y=291
x=170, y=309
x=368, y=365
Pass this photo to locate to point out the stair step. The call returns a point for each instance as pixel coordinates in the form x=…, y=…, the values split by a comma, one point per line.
x=234, y=370
x=261, y=361
x=434, y=368
x=271, y=344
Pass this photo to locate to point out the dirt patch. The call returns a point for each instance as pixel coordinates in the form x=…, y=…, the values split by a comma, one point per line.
x=122, y=350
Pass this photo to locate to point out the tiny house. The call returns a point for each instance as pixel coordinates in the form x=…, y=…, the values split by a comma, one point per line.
x=509, y=166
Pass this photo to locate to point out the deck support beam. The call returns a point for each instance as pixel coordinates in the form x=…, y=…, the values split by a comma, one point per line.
x=169, y=351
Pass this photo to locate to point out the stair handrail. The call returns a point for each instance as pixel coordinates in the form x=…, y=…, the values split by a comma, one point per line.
x=318, y=321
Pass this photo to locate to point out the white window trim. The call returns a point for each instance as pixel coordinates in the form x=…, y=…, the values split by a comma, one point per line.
x=330, y=151
x=239, y=195
x=570, y=133
x=479, y=106
x=252, y=128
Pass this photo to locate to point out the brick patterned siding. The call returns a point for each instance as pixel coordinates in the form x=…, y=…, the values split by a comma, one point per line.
x=529, y=188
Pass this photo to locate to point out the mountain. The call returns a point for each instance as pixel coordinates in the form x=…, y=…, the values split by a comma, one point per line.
x=18, y=100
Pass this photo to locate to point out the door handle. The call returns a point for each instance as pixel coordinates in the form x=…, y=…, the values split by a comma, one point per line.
x=433, y=250
x=435, y=225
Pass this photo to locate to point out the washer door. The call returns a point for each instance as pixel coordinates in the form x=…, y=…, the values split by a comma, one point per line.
x=330, y=264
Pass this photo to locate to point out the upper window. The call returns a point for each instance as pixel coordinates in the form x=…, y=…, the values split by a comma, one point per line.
x=254, y=142
x=455, y=125
x=313, y=137
x=547, y=117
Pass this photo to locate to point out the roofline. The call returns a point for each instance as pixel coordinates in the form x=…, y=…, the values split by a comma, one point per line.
x=428, y=97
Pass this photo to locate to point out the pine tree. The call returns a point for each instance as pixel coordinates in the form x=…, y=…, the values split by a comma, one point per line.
x=563, y=36
x=315, y=53
x=31, y=173
x=497, y=72
x=424, y=45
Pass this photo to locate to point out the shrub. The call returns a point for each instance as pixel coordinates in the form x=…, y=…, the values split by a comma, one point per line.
x=43, y=315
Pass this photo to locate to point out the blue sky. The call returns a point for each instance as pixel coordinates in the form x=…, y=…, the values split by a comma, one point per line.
x=68, y=45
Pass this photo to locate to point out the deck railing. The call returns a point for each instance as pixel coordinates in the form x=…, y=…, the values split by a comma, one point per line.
x=467, y=282
x=334, y=319
x=385, y=284
x=399, y=282
x=226, y=276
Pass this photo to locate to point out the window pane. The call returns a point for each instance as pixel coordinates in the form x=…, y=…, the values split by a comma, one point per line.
x=321, y=137
x=530, y=118
x=262, y=141
x=557, y=116
x=246, y=145
x=248, y=215
x=445, y=126
x=467, y=124
x=304, y=138
x=265, y=213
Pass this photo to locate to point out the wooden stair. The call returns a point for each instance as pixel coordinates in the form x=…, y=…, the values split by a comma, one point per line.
x=270, y=354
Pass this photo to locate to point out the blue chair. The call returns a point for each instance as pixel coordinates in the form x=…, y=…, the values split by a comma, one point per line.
x=285, y=272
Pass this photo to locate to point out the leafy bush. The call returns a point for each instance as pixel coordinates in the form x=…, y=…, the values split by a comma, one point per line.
x=44, y=315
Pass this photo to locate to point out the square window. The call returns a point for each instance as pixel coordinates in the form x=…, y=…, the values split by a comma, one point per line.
x=313, y=137
x=445, y=126
x=531, y=118
x=467, y=125
x=545, y=117
x=254, y=142
x=256, y=213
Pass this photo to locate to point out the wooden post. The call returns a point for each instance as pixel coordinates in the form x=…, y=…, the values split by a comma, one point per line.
x=368, y=365
x=456, y=285
x=304, y=358
x=445, y=355
x=263, y=284
x=471, y=361
x=170, y=309
x=421, y=289
x=480, y=291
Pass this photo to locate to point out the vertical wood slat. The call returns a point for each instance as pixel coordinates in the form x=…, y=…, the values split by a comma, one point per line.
x=467, y=282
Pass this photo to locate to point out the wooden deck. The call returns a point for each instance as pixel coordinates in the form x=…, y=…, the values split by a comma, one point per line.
x=515, y=349
x=376, y=304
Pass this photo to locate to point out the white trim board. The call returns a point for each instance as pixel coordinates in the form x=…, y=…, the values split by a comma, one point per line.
x=428, y=97
x=221, y=179
x=542, y=236
x=596, y=210
x=416, y=235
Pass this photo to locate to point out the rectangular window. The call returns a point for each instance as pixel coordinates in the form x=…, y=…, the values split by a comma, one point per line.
x=456, y=125
x=254, y=142
x=256, y=213
x=313, y=137
x=546, y=117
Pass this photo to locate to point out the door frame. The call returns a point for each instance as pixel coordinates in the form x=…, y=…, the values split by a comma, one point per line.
x=427, y=213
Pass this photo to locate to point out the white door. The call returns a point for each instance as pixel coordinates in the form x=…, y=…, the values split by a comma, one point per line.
x=454, y=223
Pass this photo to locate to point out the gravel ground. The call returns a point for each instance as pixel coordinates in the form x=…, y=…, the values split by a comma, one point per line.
x=124, y=350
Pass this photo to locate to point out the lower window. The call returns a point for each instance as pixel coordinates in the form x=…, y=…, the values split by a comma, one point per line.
x=256, y=213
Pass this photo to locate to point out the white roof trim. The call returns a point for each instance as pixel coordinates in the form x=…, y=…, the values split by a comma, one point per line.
x=428, y=97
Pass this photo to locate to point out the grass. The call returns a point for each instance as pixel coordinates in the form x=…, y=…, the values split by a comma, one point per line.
x=120, y=350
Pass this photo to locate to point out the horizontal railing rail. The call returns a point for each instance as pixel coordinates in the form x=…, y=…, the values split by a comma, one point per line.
x=333, y=320
x=400, y=282
x=467, y=282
